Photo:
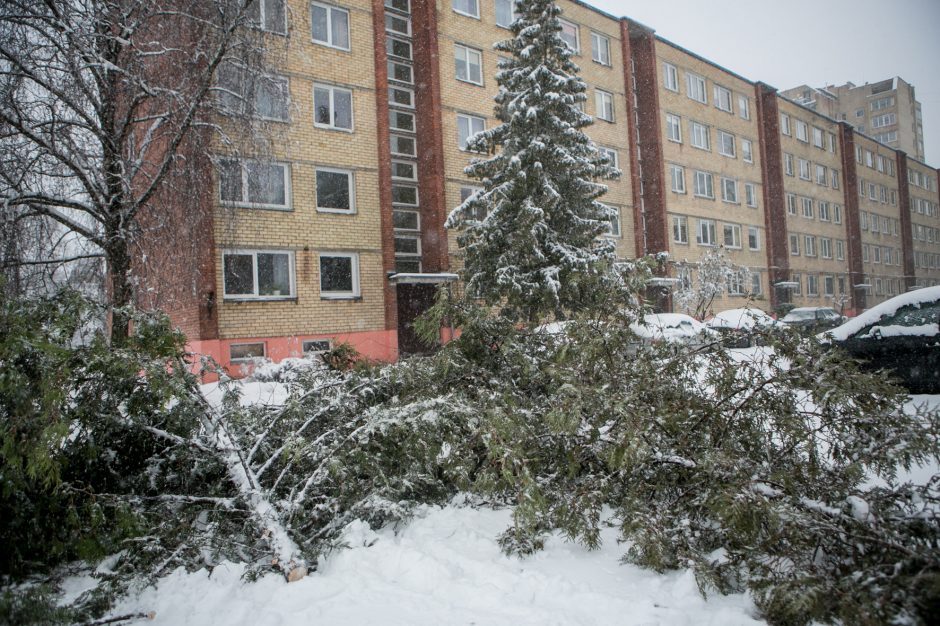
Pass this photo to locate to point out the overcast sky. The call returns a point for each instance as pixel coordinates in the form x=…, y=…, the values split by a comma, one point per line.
x=816, y=42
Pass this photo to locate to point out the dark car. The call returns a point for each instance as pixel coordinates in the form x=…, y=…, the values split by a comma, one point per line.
x=813, y=319
x=900, y=335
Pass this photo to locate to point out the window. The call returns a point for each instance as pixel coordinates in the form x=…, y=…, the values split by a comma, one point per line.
x=469, y=64
x=822, y=175
x=339, y=275
x=729, y=190
x=809, y=245
x=409, y=247
x=736, y=284
x=794, y=245
x=876, y=254
x=401, y=120
x=750, y=194
x=670, y=77
x=791, y=204
x=257, y=274
x=240, y=352
x=269, y=15
x=569, y=33
x=726, y=144
x=404, y=170
x=703, y=185
x=807, y=207
x=744, y=107
x=330, y=25
x=700, y=136
x=401, y=72
x=722, y=98
x=695, y=87
x=823, y=211
x=674, y=128
x=397, y=24
x=402, y=145
x=255, y=184
x=832, y=143
x=825, y=247
x=869, y=158
x=470, y=8
x=604, y=105
x=401, y=96
x=880, y=121
x=756, y=288
x=863, y=220
x=706, y=233
x=798, y=287
x=467, y=126
x=747, y=150
x=812, y=285
x=802, y=131
x=505, y=12
x=785, y=124
x=405, y=195
x=804, y=169
x=677, y=174
x=316, y=346
x=788, y=164
x=818, y=138
x=840, y=250
x=614, y=229
x=600, y=49
x=835, y=179
x=332, y=107
x=336, y=191
x=753, y=238
x=398, y=48
x=268, y=98
x=732, y=235
x=680, y=229
x=612, y=158
x=407, y=220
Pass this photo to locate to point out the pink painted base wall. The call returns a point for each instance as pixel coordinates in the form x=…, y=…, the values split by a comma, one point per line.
x=376, y=345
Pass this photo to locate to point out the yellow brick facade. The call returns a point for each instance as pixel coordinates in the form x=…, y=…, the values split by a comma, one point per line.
x=925, y=222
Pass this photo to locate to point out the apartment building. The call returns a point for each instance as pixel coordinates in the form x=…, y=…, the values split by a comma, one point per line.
x=328, y=227
x=713, y=185
x=887, y=110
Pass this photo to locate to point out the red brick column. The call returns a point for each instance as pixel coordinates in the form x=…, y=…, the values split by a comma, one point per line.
x=904, y=204
x=853, y=230
x=775, y=212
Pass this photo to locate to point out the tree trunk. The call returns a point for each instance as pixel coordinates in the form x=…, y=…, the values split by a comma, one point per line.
x=117, y=256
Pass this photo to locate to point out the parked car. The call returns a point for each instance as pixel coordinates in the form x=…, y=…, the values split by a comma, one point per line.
x=742, y=328
x=900, y=335
x=673, y=328
x=813, y=319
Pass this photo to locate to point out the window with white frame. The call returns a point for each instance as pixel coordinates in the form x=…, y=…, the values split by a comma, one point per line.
x=402, y=145
x=812, y=285
x=840, y=250
x=470, y=8
x=399, y=48
x=835, y=179
x=788, y=164
x=756, y=287
x=604, y=105
x=822, y=175
x=257, y=184
x=866, y=252
x=406, y=220
x=695, y=87
x=571, y=36
x=729, y=190
x=397, y=24
x=600, y=49
x=405, y=195
x=802, y=131
x=673, y=128
x=744, y=107
x=726, y=144
x=401, y=96
x=468, y=126
x=753, y=238
x=823, y=211
x=703, y=185
x=505, y=12
x=316, y=346
x=670, y=77
x=257, y=274
x=809, y=245
x=807, y=207
x=330, y=25
x=336, y=191
x=613, y=230
x=264, y=96
x=732, y=235
x=825, y=247
x=401, y=120
x=469, y=64
x=407, y=252
x=818, y=138
x=791, y=204
x=269, y=15
x=747, y=150
x=700, y=136
x=797, y=279
x=404, y=170
x=785, y=124
x=863, y=220
x=613, y=159
x=239, y=352
x=722, y=98
x=332, y=107
x=804, y=170
x=706, y=233
x=735, y=283
x=401, y=72
x=832, y=142
x=677, y=175
x=680, y=229
x=750, y=194
x=794, y=245
x=339, y=275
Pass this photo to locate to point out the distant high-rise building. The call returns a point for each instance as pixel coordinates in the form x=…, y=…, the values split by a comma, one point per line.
x=886, y=111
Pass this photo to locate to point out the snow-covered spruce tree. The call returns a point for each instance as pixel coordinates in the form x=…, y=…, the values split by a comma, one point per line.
x=535, y=225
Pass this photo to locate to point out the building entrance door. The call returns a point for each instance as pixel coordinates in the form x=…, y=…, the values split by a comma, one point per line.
x=413, y=301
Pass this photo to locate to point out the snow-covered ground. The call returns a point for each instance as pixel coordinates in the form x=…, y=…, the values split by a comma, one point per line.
x=445, y=568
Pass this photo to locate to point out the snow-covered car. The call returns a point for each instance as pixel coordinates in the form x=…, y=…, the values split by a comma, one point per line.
x=900, y=335
x=672, y=328
x=741, y=328
x=813, y=318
